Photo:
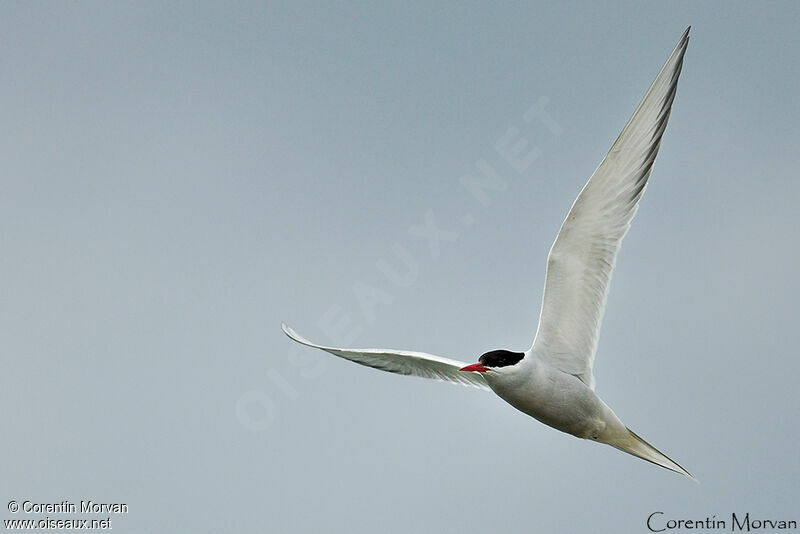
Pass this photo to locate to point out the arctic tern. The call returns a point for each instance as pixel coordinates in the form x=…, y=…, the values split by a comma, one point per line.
x=552, y=381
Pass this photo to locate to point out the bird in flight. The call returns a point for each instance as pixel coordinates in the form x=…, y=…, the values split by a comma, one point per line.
x=552, y=381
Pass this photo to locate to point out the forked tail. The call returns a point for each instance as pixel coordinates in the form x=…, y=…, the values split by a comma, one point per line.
x=633, y=444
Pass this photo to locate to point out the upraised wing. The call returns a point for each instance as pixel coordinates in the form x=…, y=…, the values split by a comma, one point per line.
x=402, y=362
x=581, y=260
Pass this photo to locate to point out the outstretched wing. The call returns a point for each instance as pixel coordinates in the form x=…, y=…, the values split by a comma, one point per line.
x=581, y=260
x=402, y=362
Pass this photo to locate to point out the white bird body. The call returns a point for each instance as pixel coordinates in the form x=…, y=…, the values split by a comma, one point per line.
x=555, y=398
x=564, y=402
x=553, y=381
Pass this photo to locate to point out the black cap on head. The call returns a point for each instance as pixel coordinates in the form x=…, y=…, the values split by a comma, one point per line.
x=500, y=358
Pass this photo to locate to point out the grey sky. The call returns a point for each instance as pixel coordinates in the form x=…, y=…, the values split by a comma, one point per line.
x=178, y=179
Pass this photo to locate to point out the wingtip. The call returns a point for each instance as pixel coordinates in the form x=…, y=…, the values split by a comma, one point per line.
x=287, y=330
x=680, y=48
x=297, y=337
x=685, y=37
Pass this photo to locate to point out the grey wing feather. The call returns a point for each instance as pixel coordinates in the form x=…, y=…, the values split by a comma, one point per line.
x=584, y=253
x=402, y=362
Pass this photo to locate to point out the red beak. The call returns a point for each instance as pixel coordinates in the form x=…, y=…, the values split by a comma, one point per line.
x=475, y=367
